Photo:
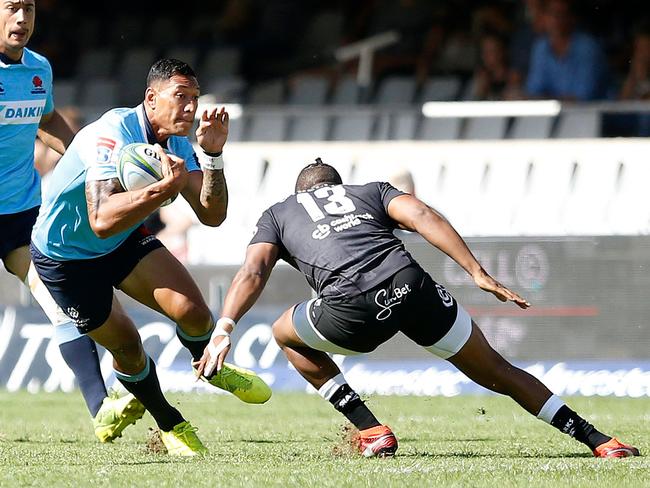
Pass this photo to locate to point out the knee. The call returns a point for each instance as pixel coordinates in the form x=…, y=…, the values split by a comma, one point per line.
x=282, y=329
x=193, y=318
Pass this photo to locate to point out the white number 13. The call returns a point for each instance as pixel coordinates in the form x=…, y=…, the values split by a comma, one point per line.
x=338, y=204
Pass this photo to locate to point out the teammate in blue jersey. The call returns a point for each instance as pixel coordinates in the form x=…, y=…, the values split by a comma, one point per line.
x=369, y=287
x=89, y=238
x=27, y=110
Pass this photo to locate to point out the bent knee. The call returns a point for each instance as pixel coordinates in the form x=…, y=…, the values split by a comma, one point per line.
x=283, y=330
x=193, y=318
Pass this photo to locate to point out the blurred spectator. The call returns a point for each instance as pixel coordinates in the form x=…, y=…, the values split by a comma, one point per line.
x=636, y=85
x=529, y=28
x=493, y=78
x=566, y=63
x=176, y=219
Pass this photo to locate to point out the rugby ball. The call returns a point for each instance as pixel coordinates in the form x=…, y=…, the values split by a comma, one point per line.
x=138, y=166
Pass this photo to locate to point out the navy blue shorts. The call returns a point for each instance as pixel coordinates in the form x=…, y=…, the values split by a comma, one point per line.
x=83, y=288
x=16, y=230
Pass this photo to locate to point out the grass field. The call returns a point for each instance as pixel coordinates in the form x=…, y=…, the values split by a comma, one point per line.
x=298, y=440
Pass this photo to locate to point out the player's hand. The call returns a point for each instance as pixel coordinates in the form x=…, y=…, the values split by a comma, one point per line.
x=173, y=169
x=489, y=284
x=212, y=131
x=213, y=357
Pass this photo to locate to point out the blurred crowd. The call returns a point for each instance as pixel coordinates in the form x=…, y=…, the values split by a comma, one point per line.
x=505, y=49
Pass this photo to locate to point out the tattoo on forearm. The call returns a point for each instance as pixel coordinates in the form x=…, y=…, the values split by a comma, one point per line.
x=98, y=191
x=214, y=188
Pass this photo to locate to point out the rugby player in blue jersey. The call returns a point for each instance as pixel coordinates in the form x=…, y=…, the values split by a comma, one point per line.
x=369, y=288
x=27, y=110
x=89, y=238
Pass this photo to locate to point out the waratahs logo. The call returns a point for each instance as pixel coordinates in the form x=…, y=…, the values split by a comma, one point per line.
x=37, y=81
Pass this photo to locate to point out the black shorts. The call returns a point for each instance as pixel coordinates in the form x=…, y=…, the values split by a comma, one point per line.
x=16, y=230
x=83, y=288
x=410, y=302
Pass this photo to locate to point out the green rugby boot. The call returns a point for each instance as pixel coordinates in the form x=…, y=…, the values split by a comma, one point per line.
x=242, y=383
x=183, y=441
x=115, y=415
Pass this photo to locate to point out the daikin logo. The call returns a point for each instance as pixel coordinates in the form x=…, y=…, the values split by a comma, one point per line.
x=21, y=112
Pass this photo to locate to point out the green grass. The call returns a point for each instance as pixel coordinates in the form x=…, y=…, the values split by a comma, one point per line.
x=297, y=440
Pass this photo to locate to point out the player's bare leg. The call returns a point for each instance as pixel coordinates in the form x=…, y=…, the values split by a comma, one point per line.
x=133, y=368
x=482, y=364
x=78, y=351
x=323, y=374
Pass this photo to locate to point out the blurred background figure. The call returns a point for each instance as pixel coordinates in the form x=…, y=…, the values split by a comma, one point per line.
x=567, y=63
x=494, y=79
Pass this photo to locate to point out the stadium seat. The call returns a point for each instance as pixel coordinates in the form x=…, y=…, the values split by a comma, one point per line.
x=628, y=211
x=346, y=91
x=395, y=90
x=132, y=74
x=502, y=189
x=481, y=128
x=594, y=186
x=95, y=63
x=547, y=189
x=309, y=127
x=267, y=126
x=440, y=88
x=99, y=94
x=65, y=92
x=578, y=124
x=188, y=54
x=219, y=62
x=404, y=126
x=353, y=127
x=439, y=129
x=267, y=93
x=228, y=89
x=308, y=90
x=531, y=128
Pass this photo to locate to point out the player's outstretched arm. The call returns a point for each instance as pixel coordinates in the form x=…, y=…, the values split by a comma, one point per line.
x=244, y=291
x=207, y=191
x=55, y=131
x=414, y=215
x=111, y=209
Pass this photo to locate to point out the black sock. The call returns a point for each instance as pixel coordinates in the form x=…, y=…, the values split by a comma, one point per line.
x=346, y=401
x=569, y=422
x=81, y=357
x=146, y=388
x=195, y=345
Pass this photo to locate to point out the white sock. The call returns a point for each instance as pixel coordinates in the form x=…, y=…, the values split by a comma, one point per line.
x=331, y=385
x=550, y=408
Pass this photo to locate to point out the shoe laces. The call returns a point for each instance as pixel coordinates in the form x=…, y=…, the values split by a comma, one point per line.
x=234, y=379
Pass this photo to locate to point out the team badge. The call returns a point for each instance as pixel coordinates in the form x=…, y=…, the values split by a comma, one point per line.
x=105, y=148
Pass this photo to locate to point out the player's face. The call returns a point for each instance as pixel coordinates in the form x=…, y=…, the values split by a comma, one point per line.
x=176, y=101
x=16, y=26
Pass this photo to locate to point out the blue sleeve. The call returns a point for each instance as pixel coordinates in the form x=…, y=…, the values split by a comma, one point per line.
x=49, y=101
x=536, y=81
x=101, y=152
x=182, y=147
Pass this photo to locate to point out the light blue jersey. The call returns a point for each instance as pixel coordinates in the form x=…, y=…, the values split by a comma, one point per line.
x=62, y=231
x=25, y=96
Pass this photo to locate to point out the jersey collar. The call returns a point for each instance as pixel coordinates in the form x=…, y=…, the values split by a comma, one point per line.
x=147, y=128
x=6, y=61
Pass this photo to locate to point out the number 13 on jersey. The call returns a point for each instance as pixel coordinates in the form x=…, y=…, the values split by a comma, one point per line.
x=338, y=203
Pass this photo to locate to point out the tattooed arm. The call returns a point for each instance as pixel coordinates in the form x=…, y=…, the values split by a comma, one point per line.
x=207, y=193
x=112, y=210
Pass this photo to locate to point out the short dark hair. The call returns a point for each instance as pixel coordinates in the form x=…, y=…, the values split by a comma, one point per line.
x=164, y=69
x=316, y=174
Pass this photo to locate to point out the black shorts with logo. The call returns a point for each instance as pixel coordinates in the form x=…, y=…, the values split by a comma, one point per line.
x=410, y=302
x=16, y=230
x=83, y=288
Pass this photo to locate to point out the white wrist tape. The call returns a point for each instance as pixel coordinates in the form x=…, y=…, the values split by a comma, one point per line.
x=210, y=162
x=216, y=350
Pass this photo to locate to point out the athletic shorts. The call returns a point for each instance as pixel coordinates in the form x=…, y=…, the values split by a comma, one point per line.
x=16, y=230
x=83, y=288
x=410, y=302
